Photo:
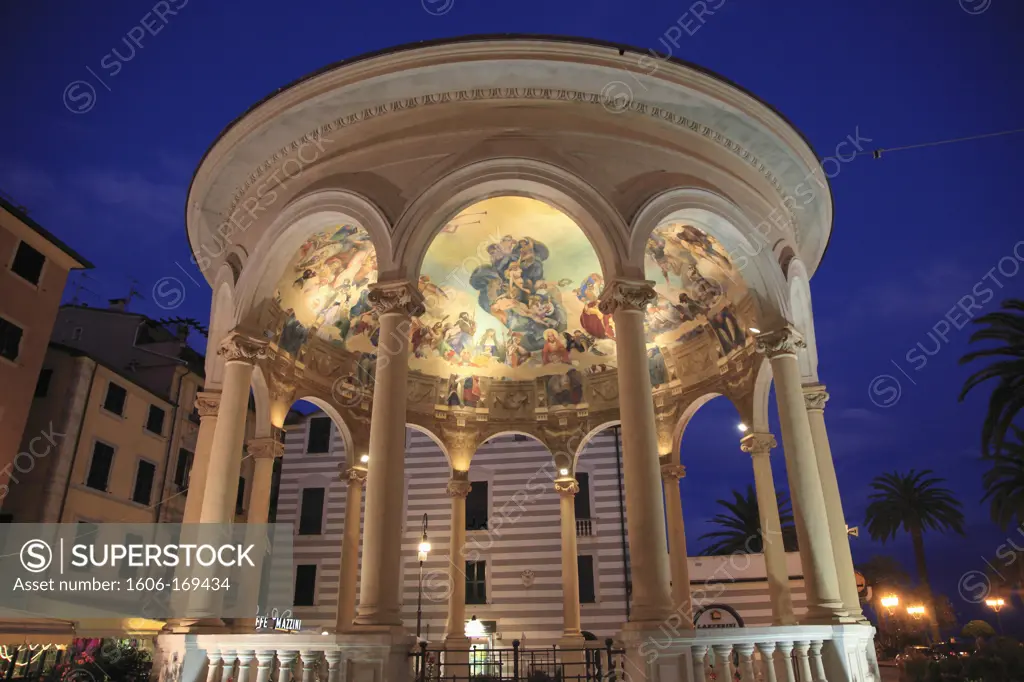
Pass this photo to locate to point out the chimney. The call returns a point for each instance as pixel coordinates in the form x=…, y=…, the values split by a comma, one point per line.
x=117, y=303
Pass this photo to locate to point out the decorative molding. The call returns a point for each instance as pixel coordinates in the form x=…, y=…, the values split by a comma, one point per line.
x=458, y=488
x=758, y=443
x=622, y=294
x=672, y=472
x=355, y=476
x=396, y=297
x=567, y=487
x=815, y=397
x=207, y=403
x=240, y=348
x=265, y=448
x=528, y=577
x=784, y=341
x=318, y=135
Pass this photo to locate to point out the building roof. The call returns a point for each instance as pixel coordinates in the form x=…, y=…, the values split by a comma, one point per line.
x=21, y=215
x=79, y=353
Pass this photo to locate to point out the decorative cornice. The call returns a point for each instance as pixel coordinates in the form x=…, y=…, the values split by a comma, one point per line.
x=622, y=294
x=672, y=472
x=815, y=397
x=396, y=297
x=458, y=488
x=758, y=443
x=355, y=476
x=567, y=487
x=265, y=448
x=319, y=134
x=207, y=403
x=784, y=341
x=240, y=348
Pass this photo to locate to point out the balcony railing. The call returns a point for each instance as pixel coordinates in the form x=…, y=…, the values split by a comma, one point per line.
x=584, y=528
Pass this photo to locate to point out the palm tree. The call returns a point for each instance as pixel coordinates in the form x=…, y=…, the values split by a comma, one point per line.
x=914, y=502
x=743, y=525
x=1004, y=482
x=1007, y=400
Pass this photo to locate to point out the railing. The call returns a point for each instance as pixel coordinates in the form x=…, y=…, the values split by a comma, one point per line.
x=554, y=664
x=584, y=528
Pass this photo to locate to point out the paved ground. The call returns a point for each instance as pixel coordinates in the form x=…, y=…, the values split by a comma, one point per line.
x=889, y=673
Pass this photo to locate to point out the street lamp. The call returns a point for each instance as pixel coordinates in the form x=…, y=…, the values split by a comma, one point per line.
x=997, y=605
x=424, y=548
x=916, y=611
x=475, y=628
x=890, y=603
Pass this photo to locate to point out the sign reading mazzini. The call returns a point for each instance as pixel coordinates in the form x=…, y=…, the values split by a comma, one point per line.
x=155, y=571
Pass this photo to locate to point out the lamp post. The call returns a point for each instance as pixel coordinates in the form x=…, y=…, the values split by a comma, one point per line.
x=890, y=603
x=997, y=605
x=424, y=548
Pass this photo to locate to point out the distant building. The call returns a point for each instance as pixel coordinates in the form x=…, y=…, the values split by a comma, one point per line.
x=35, y=267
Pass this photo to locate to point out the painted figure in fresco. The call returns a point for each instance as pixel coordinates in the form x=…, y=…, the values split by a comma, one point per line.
x=689, y=308
x=727, y=329
x=306, y=275
x=656, y=366
x=701, y=242
x=458, y=337
x=366, y=369
x=489, y=343
x=515, y=354
x=707, y=291
x=471, y=391
x=565, y=389
x=293, y=333
x=431, y=291
x=662, y=316
x=425, y=338
x=327, y=320
x=454, y=398
x=554, y=349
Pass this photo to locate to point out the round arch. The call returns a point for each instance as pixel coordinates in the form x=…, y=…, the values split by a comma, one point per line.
x=684, y=420
x=428, y=213
x=437, y=441
x=339, y=423
x=298, y=220
x=585, y=441
x=746, y=248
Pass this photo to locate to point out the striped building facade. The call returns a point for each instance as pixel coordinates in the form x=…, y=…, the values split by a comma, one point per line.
x=513, y=539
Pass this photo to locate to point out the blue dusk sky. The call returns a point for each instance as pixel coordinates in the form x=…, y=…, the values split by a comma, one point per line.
x=914, y=231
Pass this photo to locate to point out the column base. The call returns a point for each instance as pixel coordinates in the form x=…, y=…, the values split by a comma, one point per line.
x=456, y=656
x=653, y=656
x=827, y=615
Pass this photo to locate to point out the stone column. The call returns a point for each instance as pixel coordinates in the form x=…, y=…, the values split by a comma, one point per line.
x=218, y=504
x=264, y=451
x=759, y=445
x=820, y=578
x=678, y=561
x=455, y=629
x=208, y=404
x=626, y=301
x=356, y=477
x=571, y=633
x=815, y=398
x=394, y=303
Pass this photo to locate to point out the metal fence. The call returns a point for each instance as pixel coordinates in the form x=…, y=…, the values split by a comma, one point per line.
x=554, y=664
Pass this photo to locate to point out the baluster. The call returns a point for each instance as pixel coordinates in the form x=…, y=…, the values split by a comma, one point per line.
x=286, y=660
x=788, y=673
x=723, y=660
x=244, y=662
x=698, y=654
x=767, y=651
x=333, y=658
x=802, y=660
x=309, y=661
x=817, y=664
x=746, y=653
x=264, y=665
x=213, y=668
x=227, y=666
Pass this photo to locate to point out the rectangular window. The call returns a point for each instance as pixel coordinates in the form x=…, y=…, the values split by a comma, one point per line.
x=76, y=334
x=155, y=420
x=43, y=384
x=114, y=402
x=305, y=584
x=183, y=469
x=585, y=575
x=476, y=506
x=28, y=263
x=582, y=499
x=312, y=512
x=144, y=482
x=319, y=435
x=10, y=339
x=99, y=468
x=476, y=582
x=240, y=497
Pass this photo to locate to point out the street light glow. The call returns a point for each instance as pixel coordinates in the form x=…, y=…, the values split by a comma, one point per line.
x=890, y=602
x=917, y=611
x=364, y=459
x=995, y=604
x=742, y=427
x=474, y=628
x=563, y=472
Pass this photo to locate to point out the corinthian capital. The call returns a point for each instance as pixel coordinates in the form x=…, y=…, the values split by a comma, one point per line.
x=458, y=488
x=567, y=487
x=239, y=347
x=396, y=297
x=207, y=403
x=672, y=472
x=355, y=476
x=265, y=448
x=758, y=443
x=784, y=341
x=624, y=294
x=815, y=397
